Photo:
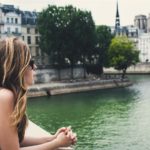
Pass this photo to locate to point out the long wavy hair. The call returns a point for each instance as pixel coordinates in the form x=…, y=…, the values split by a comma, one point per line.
x=14, y=60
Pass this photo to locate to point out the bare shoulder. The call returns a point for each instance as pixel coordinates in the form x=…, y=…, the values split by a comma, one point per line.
x=6, y=97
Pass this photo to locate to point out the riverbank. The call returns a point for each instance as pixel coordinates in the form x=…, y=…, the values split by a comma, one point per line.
x=140, y=68
x=65, y=87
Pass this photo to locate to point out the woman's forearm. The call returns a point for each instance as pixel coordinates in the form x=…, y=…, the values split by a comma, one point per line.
x=53, y=145
x=30, y=141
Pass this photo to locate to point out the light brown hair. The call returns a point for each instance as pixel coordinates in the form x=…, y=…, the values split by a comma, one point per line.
x=14, y=59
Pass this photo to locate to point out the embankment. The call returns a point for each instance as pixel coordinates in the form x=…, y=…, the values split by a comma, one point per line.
x=140, y=68
x=55, y=88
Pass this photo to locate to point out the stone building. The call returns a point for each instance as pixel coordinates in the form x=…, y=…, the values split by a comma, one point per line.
x=140, y=21
x=148, y=23
x=118, y=30
x=30, y=33
x=144, y=47
x=10, y=21
x=22, y=24
x=143, y=24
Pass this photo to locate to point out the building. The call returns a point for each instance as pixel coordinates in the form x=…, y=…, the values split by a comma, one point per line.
x=140, y=21
x=117, y=22
x=31, y=36
x=30, y=33
x=148, y=24
x=22, y=24
x=143, y=24
x=144, y=47
x=129, y=31
x=10, y=21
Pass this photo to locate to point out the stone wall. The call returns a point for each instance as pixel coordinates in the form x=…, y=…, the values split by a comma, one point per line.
x=48, y=89
x=48, y=75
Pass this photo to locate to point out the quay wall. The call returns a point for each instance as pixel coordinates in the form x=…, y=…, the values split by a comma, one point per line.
x=48, y=75
x=140, y=68
x=83, y=86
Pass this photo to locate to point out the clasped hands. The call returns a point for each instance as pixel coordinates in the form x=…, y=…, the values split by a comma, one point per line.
x=65, y=136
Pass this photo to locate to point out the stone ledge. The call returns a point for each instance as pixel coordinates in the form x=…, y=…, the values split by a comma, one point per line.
x=35, y=131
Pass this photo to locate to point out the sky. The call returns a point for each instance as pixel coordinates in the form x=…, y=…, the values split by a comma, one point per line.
x=103, y=11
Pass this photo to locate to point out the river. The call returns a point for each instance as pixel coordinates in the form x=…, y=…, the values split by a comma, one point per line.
x=114, y=119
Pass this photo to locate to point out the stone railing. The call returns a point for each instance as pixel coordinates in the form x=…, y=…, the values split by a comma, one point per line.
x=35, y=131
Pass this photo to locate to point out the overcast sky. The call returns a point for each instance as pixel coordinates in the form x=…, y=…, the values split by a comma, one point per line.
x=103, y=11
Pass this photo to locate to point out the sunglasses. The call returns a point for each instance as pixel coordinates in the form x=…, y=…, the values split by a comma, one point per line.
x=32, y=64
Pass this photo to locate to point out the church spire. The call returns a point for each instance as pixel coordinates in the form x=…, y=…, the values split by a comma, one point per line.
x=117, y=23
x=117, y=12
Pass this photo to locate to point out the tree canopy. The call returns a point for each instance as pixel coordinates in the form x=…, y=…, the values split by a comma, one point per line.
x=122, y=53
x=67, y=34
x=104, y=37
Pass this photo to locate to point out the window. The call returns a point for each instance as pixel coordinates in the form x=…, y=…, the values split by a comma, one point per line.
x=36, y=30
x=29, y=40
x=37, y=40
x=8, y=30
x=23, y=38
x=16, y=30
x=16, y=20
x=12, y=20
x=28, y=30
x=37, y=51
x=7, y=20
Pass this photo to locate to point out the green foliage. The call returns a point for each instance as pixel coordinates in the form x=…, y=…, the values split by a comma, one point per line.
x=104, y=37
x=122, y=53
x=67, y=34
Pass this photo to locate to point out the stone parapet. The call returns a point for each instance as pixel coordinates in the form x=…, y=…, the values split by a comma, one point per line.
x=34, y=130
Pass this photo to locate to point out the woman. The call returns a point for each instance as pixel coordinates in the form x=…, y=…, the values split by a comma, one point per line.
x=16, y=74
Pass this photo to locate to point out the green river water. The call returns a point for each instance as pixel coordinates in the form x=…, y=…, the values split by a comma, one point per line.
x=114, y=119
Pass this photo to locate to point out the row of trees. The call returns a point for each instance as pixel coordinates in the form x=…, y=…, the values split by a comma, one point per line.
x=69, y=36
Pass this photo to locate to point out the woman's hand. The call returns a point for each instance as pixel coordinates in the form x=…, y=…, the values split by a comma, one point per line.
x=63, y=129
x=63, y=140
x=68, y=132
x=73, y=137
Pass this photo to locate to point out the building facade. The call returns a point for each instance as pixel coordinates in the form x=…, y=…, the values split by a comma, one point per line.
x=139, y=33
x=144, y=47
x=140, y=21
x=143, y=24
x=130, y=31
x=22, y=24
x=30, y=33
x=148, y=23
x=10, y=21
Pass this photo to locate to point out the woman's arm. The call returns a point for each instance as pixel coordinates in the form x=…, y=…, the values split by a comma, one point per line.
x=30, y=141
x=8, y=133
x=61, y=141
x=53, y=145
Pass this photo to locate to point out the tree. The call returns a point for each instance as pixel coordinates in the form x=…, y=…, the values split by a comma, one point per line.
x=67, y=35
x=104, y=37
x=79, y=36
x=122, y=54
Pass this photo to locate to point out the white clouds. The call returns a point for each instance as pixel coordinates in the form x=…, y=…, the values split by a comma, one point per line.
x=103, y=11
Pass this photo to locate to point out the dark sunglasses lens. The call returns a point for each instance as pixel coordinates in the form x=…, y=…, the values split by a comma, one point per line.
x=31, y=63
